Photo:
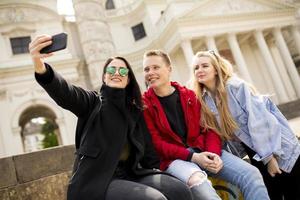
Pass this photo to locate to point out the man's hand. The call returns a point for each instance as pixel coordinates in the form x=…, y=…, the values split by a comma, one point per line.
x=217, y=165
x=273, y=167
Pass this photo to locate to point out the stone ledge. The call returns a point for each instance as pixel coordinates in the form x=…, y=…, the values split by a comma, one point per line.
x=47, y=188
x=35, y=165
x=8, y=172
x=290, y=110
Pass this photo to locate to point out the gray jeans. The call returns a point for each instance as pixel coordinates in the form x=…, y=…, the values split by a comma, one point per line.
x=151, y=187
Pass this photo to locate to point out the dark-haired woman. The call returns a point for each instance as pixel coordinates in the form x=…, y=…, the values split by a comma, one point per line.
x=115, y=158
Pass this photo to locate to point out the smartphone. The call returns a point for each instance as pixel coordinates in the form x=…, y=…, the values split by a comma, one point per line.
x=59, y=42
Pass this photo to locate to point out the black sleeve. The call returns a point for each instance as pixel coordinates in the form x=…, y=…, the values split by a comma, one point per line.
x=68, y=96
x=46, y=77
x=189, y=158
x=150, y=159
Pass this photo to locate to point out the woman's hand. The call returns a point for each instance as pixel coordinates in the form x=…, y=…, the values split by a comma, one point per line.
x=217, y=165
x=273, y=167
x=34, y=48
x=209, y=161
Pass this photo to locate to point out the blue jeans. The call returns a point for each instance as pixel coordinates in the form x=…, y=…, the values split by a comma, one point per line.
x=242, y=174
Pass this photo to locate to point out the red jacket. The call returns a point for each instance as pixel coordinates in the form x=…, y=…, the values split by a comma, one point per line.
x=167, y=143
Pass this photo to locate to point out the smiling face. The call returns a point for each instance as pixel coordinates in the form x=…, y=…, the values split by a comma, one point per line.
x=204, y=72
x=156, y=72
x=115, y=80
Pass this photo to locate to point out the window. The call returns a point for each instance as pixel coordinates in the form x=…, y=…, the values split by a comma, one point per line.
x=19, y=45
x=138, y=31
x=109, y=5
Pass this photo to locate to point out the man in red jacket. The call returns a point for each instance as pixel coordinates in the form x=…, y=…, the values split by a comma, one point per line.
x=172, y=114
x=186, y=150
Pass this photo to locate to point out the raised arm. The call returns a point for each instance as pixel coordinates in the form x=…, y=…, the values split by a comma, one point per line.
x=75, y=99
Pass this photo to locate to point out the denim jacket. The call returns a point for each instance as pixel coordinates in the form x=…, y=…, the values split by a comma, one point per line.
x=262, y=127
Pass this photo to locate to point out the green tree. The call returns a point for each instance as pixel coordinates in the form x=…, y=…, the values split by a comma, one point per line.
x=50, y=139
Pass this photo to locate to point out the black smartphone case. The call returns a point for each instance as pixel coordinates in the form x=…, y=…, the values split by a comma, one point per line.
x=59, y=42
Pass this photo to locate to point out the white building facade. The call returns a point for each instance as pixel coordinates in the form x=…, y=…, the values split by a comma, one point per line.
x=260, y=37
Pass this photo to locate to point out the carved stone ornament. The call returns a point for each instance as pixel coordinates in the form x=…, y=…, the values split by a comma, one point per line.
x=289, y=1
x=229, y=7
x=96, y=50
x=21, y=93
x=89, y=11
x=18, y=32
x=95, y=35
x=91, y=30
x=14, y=14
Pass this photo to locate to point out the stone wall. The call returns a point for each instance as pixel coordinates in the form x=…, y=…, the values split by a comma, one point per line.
x=41, y=175
x=290, y=110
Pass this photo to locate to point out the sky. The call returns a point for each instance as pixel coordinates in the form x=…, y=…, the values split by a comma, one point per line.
x=65, y=7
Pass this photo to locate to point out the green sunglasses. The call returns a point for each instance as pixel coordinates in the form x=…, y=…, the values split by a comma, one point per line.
x=123, y=71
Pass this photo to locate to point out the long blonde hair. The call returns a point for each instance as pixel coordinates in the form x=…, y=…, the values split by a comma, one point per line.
x=224, y=71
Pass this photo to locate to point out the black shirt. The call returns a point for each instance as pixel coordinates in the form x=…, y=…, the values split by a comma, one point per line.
x=173, y=110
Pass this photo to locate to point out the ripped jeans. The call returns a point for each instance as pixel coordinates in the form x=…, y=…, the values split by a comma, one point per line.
x=235, y=170
x=183, y=170
x=244, y=175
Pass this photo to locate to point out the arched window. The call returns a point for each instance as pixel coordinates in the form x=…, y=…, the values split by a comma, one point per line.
x=39, y=129
x=109, y=5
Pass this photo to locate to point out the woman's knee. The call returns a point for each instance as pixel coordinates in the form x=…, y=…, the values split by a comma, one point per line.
x=197, y=178
x=128, y=190
x=149, y=194
x=171, y=187
x=178, y=188
x=253, y=173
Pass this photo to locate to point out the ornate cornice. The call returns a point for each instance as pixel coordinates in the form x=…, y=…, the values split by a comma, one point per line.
x=19, y=13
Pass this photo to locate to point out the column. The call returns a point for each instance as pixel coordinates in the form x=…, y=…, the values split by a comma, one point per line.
x=296, y=36
x=16, y=145
x=263, y=47
x=95, y=36
x=288, y=85
x=211, y=43
x=289, y=63
x=238, y=57
x=187, y=51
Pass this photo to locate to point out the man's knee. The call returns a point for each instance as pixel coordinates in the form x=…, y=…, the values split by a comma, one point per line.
x=197, y=178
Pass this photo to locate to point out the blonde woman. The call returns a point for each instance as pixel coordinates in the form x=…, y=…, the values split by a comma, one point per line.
x=233, y=108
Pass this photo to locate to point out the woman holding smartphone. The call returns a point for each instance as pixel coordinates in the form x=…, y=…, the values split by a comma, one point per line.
x=114, y=154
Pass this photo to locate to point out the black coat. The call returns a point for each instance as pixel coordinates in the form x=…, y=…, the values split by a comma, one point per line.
x=106, y=125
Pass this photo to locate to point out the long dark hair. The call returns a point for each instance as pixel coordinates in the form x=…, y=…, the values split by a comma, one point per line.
x=133, y=92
